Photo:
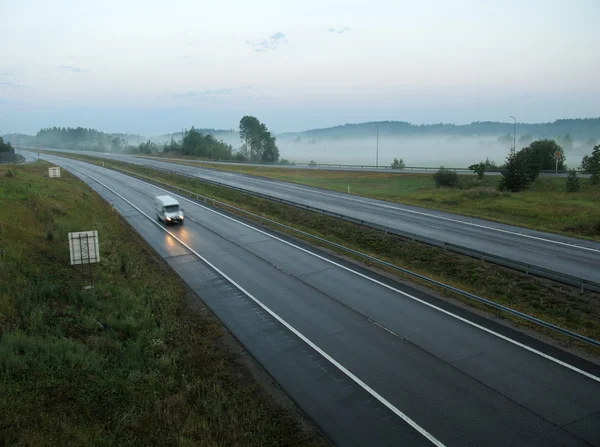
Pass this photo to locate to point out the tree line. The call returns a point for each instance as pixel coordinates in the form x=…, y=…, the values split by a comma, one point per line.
x=523, y=167
x=584, y=130
x=259, y=144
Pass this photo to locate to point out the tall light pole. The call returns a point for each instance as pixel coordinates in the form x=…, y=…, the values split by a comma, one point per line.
x=377, y=153
x=514, y=136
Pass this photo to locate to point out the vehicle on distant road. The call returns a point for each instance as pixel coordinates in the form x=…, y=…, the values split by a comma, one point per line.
x=168, y=210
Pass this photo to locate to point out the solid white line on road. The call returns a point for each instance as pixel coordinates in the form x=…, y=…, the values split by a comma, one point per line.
x=538, y=251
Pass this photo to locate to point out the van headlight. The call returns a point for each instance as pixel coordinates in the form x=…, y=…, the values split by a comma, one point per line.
x=168, y=218
x=181, y=217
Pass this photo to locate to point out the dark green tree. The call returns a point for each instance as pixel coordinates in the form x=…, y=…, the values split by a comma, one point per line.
x=540, y=156
x=398, y=164
x=5, y=147
x=591, y=164
x=515, y=176
x=572, y=183
x=258, y=140
x=479, y=169
x=148, y=147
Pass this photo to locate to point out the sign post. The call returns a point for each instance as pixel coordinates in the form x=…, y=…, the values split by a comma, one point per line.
x=84, y=251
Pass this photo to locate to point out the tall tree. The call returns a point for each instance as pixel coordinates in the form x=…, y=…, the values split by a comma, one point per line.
x=540, y=156
x=5, y=147
x=250, y=132
x=261, y=143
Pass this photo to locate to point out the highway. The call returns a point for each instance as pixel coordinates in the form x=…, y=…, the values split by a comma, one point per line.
x=576, y=257
x=347, y=168
x=369, y=360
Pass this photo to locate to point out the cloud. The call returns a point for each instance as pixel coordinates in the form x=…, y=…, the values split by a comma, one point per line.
x=339, y=30
x=268, y=44
x=212, y=93
x=73, y=68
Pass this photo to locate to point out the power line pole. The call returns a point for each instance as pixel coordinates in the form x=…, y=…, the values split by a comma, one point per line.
x=514, y=136
x=377, y=153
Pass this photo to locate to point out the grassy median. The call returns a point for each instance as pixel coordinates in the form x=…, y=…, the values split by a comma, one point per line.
x=125, y=363
x=562, y=305
x=546, y=206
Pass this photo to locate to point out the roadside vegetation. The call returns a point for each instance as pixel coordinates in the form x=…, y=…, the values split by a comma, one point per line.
x=128, y=362
x=562, y=305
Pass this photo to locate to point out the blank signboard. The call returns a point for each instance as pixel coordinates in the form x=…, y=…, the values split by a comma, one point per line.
x=84, y=247
x=53, y=172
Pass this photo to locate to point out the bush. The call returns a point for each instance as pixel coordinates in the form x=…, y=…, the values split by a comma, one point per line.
x=445, y=177
x=572, y=184
x=398, y=164
x=312, y=163
x=285, y=161
x=239, y=156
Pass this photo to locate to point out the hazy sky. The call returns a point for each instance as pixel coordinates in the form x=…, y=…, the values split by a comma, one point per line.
x=156, y=66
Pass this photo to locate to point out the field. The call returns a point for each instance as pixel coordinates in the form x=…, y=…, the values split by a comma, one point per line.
x=558, y=304
x=127, y=362
x=546, y=206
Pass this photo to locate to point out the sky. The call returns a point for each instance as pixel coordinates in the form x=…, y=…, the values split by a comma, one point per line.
x=155, y=67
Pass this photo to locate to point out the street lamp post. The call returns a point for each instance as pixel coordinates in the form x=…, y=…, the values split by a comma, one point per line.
x=377, y=153
x=514, y=136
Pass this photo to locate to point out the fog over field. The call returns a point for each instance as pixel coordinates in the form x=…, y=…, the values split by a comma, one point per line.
x=415, y=151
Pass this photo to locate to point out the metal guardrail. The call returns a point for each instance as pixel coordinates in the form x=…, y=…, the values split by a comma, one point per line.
x=446, y=288
x=336, y=165
x=529, y=269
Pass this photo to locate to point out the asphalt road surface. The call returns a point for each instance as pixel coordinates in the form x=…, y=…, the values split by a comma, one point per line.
x=371, y=361
x=565, y=255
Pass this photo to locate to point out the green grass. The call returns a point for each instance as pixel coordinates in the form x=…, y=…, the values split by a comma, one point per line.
x=546, y=206
x=555, y=303
x=125, y=363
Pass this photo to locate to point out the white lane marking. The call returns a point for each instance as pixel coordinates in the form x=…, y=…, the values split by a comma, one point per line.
x=538, y=251
x=434, y=226
x=458, y=317
x=450, y=219
x=338, y=365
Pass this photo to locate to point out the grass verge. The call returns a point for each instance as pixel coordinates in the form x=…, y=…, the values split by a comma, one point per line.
x=558, y=304
x=124, y=363
x=546, y=206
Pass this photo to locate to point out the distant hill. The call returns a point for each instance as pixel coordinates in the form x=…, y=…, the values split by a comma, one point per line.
x=578, y=128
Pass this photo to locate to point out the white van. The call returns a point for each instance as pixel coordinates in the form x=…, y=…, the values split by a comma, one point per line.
x=168, y=209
